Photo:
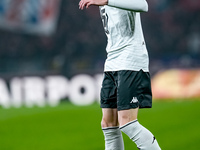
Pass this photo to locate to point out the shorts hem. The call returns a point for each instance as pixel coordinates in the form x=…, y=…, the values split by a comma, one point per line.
x=108, y=106
x=132, y=107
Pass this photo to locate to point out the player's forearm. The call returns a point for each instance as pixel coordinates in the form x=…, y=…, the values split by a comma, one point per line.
x=135, y=5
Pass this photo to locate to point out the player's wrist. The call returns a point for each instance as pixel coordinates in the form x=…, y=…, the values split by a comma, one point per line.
x=106, y=2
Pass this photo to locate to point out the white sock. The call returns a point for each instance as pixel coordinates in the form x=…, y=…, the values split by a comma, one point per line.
x=113, y=138
x=142, y=137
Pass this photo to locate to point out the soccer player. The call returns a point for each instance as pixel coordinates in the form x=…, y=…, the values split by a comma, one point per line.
x=126, y=85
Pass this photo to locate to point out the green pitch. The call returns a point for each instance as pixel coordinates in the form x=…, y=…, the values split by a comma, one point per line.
x=176, y=125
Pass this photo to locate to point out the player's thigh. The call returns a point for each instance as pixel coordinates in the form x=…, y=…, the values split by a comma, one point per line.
x=134, y=90
x=110, y=117
x=125, y=116
x=109, y=100
x=108, y=91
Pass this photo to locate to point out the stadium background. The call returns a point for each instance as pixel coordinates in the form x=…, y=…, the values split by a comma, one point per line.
x=76, y=45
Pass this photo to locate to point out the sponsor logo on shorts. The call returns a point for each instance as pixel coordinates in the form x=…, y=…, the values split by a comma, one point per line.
x=134, y=100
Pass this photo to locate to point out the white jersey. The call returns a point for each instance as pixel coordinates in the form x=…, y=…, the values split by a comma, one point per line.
x=126, y=45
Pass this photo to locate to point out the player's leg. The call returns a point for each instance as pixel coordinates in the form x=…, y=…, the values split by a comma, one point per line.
x=133, y=92
x=112, y=134
x=109, y=118
x=142, y=137
x=125, y=116
x=110, y=128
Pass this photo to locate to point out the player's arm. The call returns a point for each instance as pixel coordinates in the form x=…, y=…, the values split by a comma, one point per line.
x=134, y=5
x=87, y=3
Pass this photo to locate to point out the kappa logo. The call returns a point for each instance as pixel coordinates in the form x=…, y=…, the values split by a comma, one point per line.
x=153, y=139
x=134, y=100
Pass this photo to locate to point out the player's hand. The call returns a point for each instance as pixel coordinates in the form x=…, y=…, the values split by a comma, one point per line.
x=87, y=3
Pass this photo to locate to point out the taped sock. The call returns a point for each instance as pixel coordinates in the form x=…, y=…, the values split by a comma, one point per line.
x=113, y=138
x=142, y=137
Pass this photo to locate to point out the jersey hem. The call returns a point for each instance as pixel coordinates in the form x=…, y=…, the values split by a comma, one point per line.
x=131, y=69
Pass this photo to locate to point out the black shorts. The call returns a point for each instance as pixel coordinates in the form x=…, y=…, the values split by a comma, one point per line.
x=126, y=89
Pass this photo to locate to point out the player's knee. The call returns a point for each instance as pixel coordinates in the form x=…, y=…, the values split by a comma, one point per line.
x=108, y=123
x=127, y=116
x=104, y=124
x=123, y=119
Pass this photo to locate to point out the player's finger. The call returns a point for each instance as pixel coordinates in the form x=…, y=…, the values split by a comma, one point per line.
x=84, y=4
x=88, y=4
x=81, y=4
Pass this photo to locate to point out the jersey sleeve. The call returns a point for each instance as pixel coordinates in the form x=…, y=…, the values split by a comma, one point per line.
x=134, y=5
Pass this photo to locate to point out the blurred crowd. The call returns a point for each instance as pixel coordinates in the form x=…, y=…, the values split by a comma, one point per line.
x=171, y=29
